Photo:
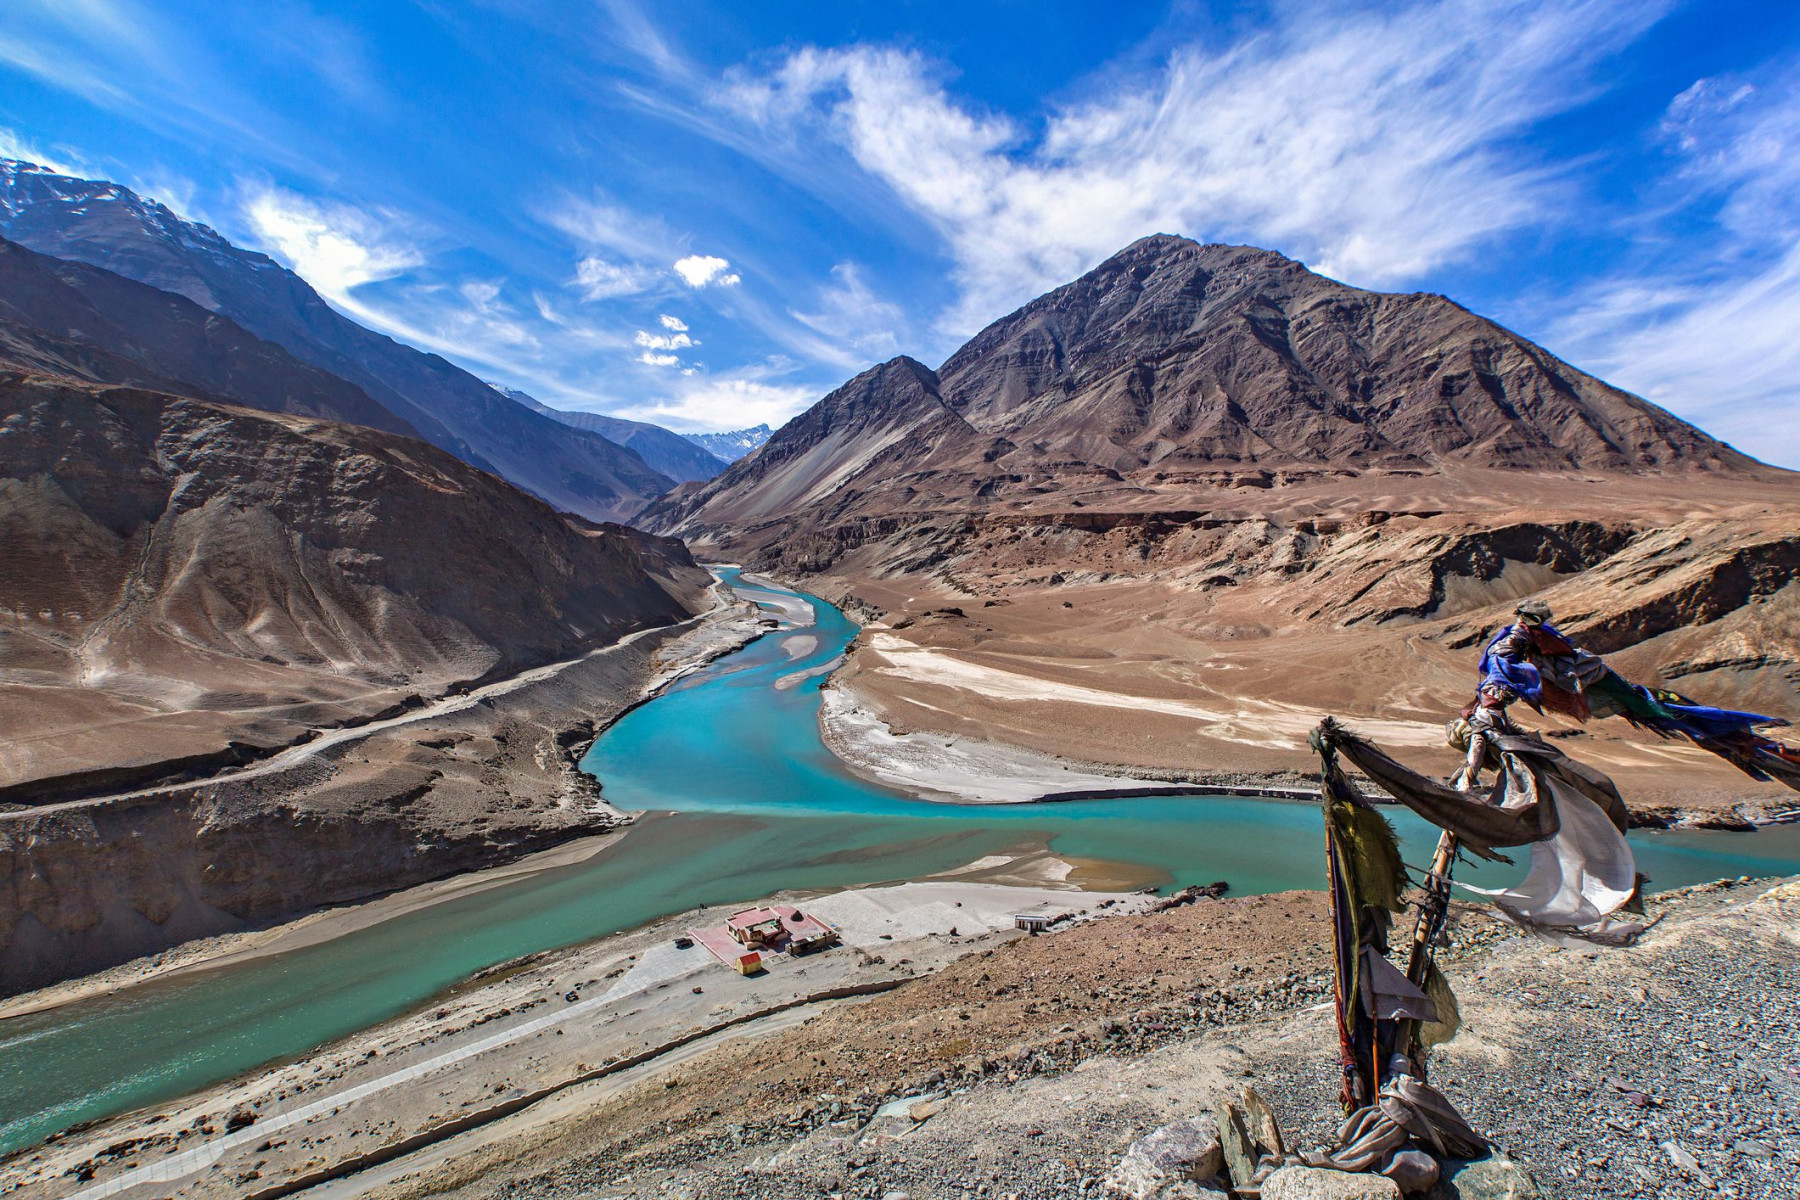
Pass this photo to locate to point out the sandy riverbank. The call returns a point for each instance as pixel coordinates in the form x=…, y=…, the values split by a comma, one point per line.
x=1122, y=686
x=951, y=767
x=526, y=1031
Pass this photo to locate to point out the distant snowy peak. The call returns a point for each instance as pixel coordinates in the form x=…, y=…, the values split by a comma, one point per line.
x=733, y=445
x=666, y=451
x=24, y=185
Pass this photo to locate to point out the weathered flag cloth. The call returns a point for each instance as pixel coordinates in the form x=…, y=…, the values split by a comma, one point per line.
x=1408, y=1109
x=1582, y=869
x=1548, y=671
x=1386, y=1017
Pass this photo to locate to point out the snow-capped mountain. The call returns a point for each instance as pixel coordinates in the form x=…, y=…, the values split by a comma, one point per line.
x=733, y=445
x=112, y=227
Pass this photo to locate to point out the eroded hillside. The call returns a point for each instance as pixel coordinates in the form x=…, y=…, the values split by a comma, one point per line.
x=186, y=580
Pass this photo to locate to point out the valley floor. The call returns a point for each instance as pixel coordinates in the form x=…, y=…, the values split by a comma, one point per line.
x=1084, y=687
x=533, y=1029
x=455, y=786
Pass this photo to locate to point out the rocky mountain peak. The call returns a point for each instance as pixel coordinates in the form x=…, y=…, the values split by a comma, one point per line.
x=1173, y=376
x=1200, y=352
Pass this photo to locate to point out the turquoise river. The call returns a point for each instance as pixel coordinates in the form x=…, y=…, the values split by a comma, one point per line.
x=745, y=800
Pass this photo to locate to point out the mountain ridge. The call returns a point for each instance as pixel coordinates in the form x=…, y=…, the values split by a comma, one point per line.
x=678, y=457
x=65, y=317
x=1182, y=376
x=111, y=227
x=732, y=444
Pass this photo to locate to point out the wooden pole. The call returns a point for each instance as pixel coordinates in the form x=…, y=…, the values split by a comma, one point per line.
x=1433, y=909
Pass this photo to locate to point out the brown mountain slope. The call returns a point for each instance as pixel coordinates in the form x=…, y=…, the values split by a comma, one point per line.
x=1203, y=477
x=176, y=575
x=1186, y=377
x=109, y=226
x=69, y=318
x=1172, y=353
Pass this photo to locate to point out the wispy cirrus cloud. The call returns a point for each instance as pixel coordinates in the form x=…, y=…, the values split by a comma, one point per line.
x=1705, y=325
x=373, y=265
x=15, y=145
x=1376, y=144
x=601, y=225
x=702, y=403
x=597, y=279
x=335, y=247
x=849, y=315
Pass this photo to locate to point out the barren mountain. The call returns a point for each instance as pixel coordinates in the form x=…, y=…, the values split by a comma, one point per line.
x=1207, y=478
x=68, y=318
x=1173, y=371
x=182, y=579
x=675, y=456
x=109, y=226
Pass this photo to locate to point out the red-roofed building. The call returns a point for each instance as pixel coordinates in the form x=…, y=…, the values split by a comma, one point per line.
x=780, y=927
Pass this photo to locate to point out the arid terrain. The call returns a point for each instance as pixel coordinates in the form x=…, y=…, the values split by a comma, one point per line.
x=1163, y=517
x=187, y=582
x=253, y=663
x=996, y=1064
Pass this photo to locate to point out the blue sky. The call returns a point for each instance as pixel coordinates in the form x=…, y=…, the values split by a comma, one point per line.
x=708, y=214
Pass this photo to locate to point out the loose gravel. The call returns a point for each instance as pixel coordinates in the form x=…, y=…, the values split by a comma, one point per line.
x=1670, y=1069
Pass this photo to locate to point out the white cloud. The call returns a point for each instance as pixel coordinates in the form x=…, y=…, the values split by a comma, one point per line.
x=176, y=193
x=1723, y=353
x=703, y=403
x=1741, y=142
x=658, y=360
x=663, y=341
x=865, y=327
x=599, y=225
x=1375, y=144
x=704, y=270
x=334, y=247
x=597, y=279
x=674, y=323
x=15, y=145
x=481, y=293
x=1709, y=332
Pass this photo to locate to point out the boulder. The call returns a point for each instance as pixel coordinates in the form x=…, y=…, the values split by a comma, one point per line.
x=1239, y=1152
x=1309, y=1183
x=1260, y=1123
x=1170, y=1163
x=1493, y=1178
x=1136, y=1179
x=1414, y=1170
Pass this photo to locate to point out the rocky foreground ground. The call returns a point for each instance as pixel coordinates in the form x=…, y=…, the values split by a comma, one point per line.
x=1028, y=1069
